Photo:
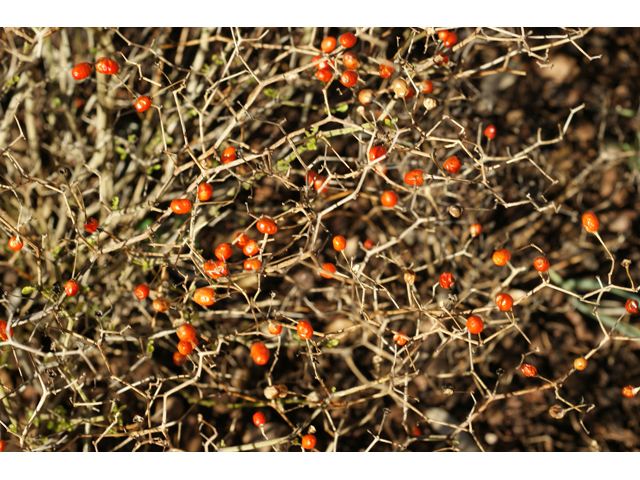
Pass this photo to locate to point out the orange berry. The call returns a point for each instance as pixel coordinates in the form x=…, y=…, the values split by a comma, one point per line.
x=228, y=155
x=181, y=206
x=628, y=391
x=71, y=288
x=215, y=269
x=631, y=306
x=142, y=291
x=258, y=419
x=475, y=229
x=400, y=338
x=328, y=44
x=328, y=267
x=260, y=353
x=3, y=331
x=304, y=329
x=186, y=332
x=324, y=74
x=451, y=40
x=81, y=71
x=308, y=442
x=386, y=69
x=205, y=296
x=504, y=301
x=179, y=359
x=541, y=264
x=349, y=78
x=443, y=34
x=106, y=66
x=501, y=257
x=161, y=304
x=365, y=96
x=490, y=132
x=266, y=225
x=185, y=348
x=92, y=225
x=368, y=244
x=223, y=252
x=452, y=165
x=389, y=199
x=580, y=363
x=320, y=184
x=590, y=222
x=447, y=280
x=529, y=370
x=240, y=240
x=274, y=329
x=205, y=190
x=251, y=248
x=15, y=244
x=351, y=61
x=348, y=40
x=143, y=103
x=252, y=264
x=339, y=243
x=377, y=152
x=426, y=86
x=475, y=325
x=414, y=178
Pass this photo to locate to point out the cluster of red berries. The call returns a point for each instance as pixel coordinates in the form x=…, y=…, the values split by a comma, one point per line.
x=349, y=77
x=188, y=340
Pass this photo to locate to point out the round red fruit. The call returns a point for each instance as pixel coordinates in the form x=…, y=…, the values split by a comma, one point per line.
x=628, y=391
x=161, y=304
x=386, y=69
x=15, y=244
x=186, y=332
x=351, y=61
x=180, y=206
x=252, y=264
x=215, y=269
x=349, y=78
x=71, y=288
x=414, y=178
x=348, y=40
x=205, y=190
x=475, y=229
x=143, y=103
x=267, y=226
x=451, y=40
x=228, y=155
x=590, y=222
x=475, y=325
x=205, y=296
x=223, y=252
x=631, y=306
x=504, y=301
x=324, y=75
x=389, y=199
x=501, y=257
x=260, y=353
x=308, y=442
x=258, y=419
x=452, y=165
x=400, y=338
x=529, y=370
x=541, y=264
x=377, y=152
x=447, y=280
x=142, y=291
x=328, y=267
x=304, y=329
x=240, y=240
x=490, y=132
x=81, y=71
x=328, y=44
x=251, y=248
x=106, y=66
x=185, y=348
x=179, y=359
x=274, y=329
x=339, y=243
x=92, y=225
x=3, y=331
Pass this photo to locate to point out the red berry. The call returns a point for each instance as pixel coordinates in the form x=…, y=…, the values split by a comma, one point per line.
x=443, y=60
x=215, y=269
x=304, y=329
x=274, y=329
x=590, y=222
x=258, y=419
x=311, y=176
x=400, y=338
x=410, y=93
x=205, y=296
x=143, y=103
x=541, y=264
x=349, y=78
x=181, y=206
x=308, y=442
x=228, y=155
x=205, y=190
x=368, y=244
x=324, y=75
x=266, y=225
x=91, y=225
x=319, y=184
x=185, y=348
x=3, y=331
x=348, y=40
x=389, y=199
x=628, y=391
x=504, y=301
x=179, y=359
x=328, y=267
x=452, y=165
x=15, y=244
x=417, y=432
x=446, y=280
x=580, y=363
x=386, y=69
x=475, y=229
x=323, y=63
x=223, y=252
x=142, y=291
x=328, y=45
x=501, y=257
x=251, y=248
x=106, y=66
x=71, y=288
x=490, y=132
x=252, y=264
x=186, y=332
x=339, y=243
x=451, y=40
x=414, y=177
x=351, y=61
x=475, y=325
x=240, y=240
x=81, y=71
x=260, y=353
x=443, y=34
x=426, y=86
x=377, y=152
x=631, y=306
x=161, y=304
x=529, y=370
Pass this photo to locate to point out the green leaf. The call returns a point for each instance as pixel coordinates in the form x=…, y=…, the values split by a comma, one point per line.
x=271, y=92
x=147, y=222
x=28, y=290
x=333, y=343
x=625, y=112
x=150, y=347
x=342, y=108
x=115, y=201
